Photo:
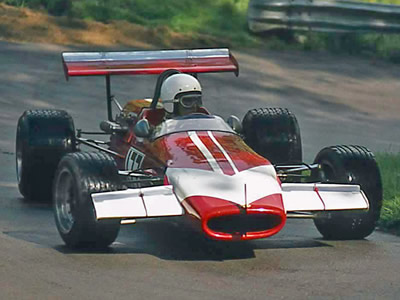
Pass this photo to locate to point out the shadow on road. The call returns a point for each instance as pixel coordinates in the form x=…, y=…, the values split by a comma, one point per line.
x=165, y=238
x=169, y=240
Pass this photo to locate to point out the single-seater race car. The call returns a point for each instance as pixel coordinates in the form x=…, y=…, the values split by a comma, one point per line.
x=234, y=180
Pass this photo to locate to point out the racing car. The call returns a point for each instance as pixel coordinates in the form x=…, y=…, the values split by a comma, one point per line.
x=233, y=180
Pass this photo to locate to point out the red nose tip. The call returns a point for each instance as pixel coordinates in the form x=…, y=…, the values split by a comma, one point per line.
x=224, y=220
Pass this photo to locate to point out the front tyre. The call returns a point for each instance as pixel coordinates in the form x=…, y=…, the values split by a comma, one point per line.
x=352, y=165
x=78, y=176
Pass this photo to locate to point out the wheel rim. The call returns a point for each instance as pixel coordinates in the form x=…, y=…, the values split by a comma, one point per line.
x=19, y=163
x=18, y=156
x=327, y=172
x=329, y=175
x=64, y=201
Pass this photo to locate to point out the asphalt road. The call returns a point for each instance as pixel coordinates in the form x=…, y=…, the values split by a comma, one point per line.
x=336, y=99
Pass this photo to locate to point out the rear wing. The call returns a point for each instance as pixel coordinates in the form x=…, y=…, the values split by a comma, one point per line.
x=148, y=62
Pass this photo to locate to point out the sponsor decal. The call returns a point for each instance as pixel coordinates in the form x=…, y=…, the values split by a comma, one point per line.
x=134, y=159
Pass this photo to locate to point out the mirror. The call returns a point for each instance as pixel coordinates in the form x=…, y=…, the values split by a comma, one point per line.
x=142, y=129
x=235, y=124
x=111, y=127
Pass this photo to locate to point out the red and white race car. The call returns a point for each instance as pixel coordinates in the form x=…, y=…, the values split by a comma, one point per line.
x=233, y=180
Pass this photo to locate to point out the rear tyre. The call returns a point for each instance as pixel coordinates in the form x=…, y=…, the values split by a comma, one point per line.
x=43, y=137
x=273, y=133
x=78, y=176
x=353, y=165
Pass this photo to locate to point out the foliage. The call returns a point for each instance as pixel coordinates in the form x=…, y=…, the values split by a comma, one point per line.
x=385, y=46
x=389, y=165
x=390, y=216
x=223, y=21
x=54, y=7
x=392, y=2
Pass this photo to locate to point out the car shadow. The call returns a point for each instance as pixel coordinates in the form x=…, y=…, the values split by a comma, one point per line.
x=169, y=240
x=165, y=238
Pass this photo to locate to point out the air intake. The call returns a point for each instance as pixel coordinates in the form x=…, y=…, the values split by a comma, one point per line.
x=244, y=223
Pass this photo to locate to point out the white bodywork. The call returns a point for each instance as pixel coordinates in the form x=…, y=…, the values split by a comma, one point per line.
x=320, y=197
x=242, y=188
x=137, y=203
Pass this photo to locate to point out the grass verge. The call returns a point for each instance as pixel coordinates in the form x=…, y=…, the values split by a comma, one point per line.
x=19, y=24
x=210, y=21
x=175, y=24
x=389, y=165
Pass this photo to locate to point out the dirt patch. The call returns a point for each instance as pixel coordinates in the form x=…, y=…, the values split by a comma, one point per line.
x=25, y=25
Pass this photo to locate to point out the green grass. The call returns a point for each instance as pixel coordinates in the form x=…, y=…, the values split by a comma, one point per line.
x=393, y=2
x=224, y=19
x=219, y=23
x=389, y=165
x=374, y=45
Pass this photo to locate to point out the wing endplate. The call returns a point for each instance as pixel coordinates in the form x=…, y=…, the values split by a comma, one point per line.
x=309, y=197
x=147, y=202
x=148, y=62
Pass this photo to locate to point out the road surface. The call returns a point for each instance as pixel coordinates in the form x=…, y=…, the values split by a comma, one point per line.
x=336, y=100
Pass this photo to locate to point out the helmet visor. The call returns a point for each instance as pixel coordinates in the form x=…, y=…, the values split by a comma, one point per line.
x=189, y=101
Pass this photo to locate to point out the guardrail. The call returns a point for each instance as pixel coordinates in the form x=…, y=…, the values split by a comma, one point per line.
x=324, y=15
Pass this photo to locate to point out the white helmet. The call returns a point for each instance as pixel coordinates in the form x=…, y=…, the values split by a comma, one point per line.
x=177, y=84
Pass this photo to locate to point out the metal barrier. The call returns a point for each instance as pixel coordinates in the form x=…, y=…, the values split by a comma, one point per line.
x=322, y=16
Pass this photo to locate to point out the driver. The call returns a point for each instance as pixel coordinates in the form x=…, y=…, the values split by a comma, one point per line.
x=181, y=95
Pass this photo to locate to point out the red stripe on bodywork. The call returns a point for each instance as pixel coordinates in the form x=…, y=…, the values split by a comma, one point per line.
x=242, y=155
x=319, y=196
x=216, y=153
x=178, y=151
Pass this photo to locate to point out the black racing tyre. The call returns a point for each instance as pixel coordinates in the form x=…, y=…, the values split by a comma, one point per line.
x=273, y=133
x=43, y=137
x=78, y=176
x=353, y=165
